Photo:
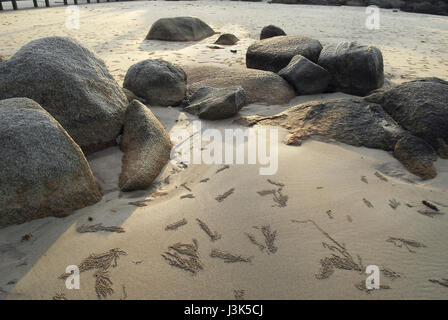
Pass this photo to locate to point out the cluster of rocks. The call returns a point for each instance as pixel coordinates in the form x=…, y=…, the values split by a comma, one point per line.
x=439, y=7
x=311, y=68
x=58, y=102
x=409, y=119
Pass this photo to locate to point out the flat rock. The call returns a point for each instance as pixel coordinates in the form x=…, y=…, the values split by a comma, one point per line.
x=159, y=82
x=72, y=84
x=260, y=86
x=305, y=76
x=43, y=172
x=271, y=31
x=216, y=103
x=179, y=29
x=273, y=54
x=146, y=146
x=420, y=106
x=355, y=69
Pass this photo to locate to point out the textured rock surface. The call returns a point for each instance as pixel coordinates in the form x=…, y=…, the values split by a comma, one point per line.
x=352, y=121
x=305, y=76
x=130, y=95
x=420, y=106
x=72, y=84
x=212, y=103
x=179, y=29
x=417, y=156
x=146, y=146
x=275, y=53
x=260, y=86
x=354, y=68
x=158, y=82
x=271, y=31
x=227, y=39
x=43, y=172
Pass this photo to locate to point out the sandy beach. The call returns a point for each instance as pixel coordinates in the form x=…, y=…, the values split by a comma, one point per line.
x=327, y=198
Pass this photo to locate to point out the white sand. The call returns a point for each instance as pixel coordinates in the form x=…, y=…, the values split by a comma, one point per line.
x=31, y=267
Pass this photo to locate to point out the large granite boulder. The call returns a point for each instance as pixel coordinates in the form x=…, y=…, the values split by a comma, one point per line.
x=354, y=68
x=146, y=146
x=216, y=103
x=43, y=172
x=72, y=84
x=305, y=76
x=420, y=106
x=273, y=54
x=271, y=31
x=158, y=82
x=179, y=29
x=260, y=86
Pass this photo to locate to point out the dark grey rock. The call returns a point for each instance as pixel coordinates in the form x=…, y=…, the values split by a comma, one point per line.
x=227, y=39
x=130, y=95
x=72, y=84
x=354, y=68
x=146, y=146
x=43, y=172
x=216, y=103
x=417, y=156
x=271, y=31
x=305, y=76
x=260, y=86
x=275, y=53
x=420, y=106
x=179, y=29
x=350, y=120
x=158, y=82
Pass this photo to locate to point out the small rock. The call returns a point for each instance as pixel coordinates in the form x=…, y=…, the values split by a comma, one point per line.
x=179, y=29
x=227, y=39
x=271, y=31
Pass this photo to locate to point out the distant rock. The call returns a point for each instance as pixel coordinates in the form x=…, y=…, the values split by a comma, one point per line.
x=72, y=84
x=354, y=68
x=213, y=104
x=275, y=53
x=420, y=106
x=305, y=76
x=227, y=39
x=179, y=29
x=43, y=172
x=417, y=156
x=146, y=146
x=260, y=86
x=159, y=82
x=350, y=120
x=271, y=31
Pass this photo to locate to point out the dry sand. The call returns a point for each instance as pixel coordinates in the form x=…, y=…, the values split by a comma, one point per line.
x=333, y=185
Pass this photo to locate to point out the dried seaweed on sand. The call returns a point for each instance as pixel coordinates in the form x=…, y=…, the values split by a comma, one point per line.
x=223, y=196
x=277, y=196
x=389, y=273
x=212, y=235
x=362, y=286
x=184, y=185
x=364, y=179
x=229, y=257
x=102, y=261
x=394, y=203
x=223, y=168
x=442, y=282
x=429, y=213
x=269, y=237
x=278, y=184
x=59, y=296
x=99, y=227
x=380, y=176
x=103, y=284
x=430, y=205
x=255, y=242
x=176, y=225
x=152, y=197
x=187, y=196
x=340, y=257
x=184, y=256
x=367, y=203
x=400, y=242
x=239, y=294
